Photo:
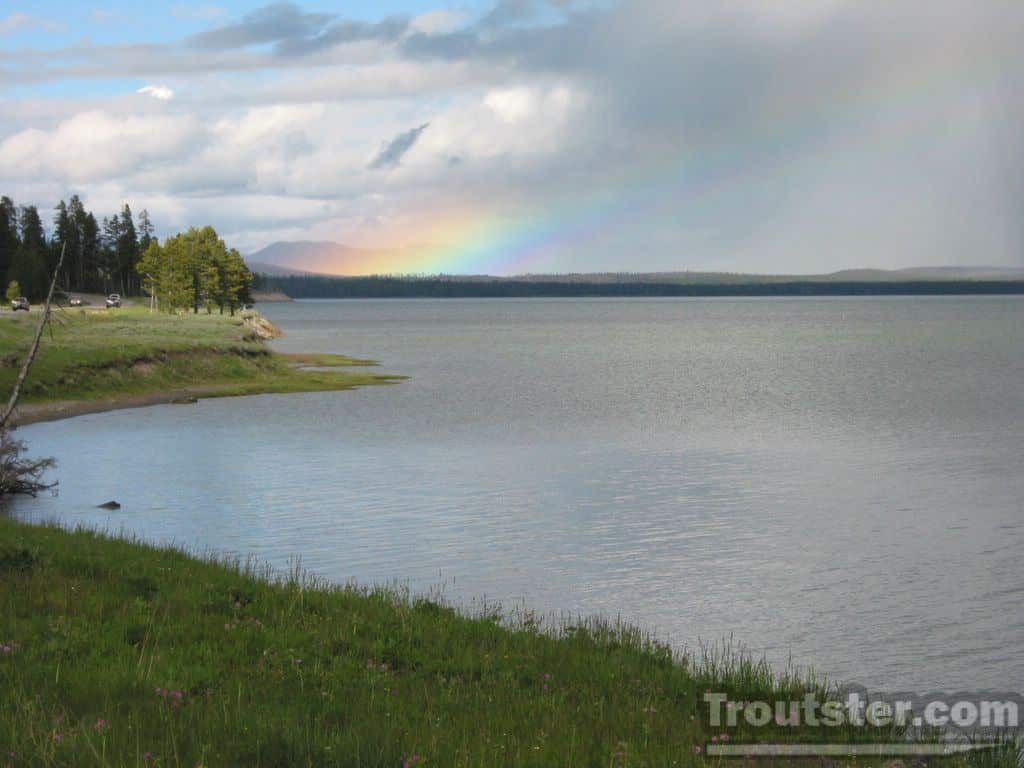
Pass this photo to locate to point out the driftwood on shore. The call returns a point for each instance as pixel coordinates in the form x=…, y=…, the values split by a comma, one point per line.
x=18, y=474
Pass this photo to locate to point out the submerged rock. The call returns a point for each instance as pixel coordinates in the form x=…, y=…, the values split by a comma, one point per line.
x=109, y=505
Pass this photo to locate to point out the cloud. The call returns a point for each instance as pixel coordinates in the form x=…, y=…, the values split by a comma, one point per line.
x=158, y=92
x=95, y=145
x=270, y=24
x=724, y=134
x=19, y=21
x=437, y=22
x=294, y=32
x=14, y=22
x=201, y=12
x=508, y=12
x=392, y=152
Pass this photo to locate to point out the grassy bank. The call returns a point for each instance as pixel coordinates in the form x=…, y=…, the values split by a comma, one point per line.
x=115, y=653
x=130, y=356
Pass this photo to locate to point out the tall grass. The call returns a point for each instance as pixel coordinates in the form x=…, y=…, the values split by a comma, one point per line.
x=119, y=653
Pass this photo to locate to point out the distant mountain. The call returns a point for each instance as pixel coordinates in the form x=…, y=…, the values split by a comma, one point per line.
x=328, y=258
x=273, y=269
x=313, y=257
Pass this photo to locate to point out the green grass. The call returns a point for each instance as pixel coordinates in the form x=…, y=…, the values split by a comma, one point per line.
x=129, y=352
x=121, y=654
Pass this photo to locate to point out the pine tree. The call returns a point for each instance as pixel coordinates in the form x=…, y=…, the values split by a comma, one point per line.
x=236, y=281
x=8, y=236
x=127, y=252
x=193, y=269
x=107, y=265
x=74, y=258
x=65, y=236
x=145, y=230
x=91, y=252
x=30, y=258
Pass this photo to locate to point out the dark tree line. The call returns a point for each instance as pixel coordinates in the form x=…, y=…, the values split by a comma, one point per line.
x=100, y=257
x=321, y=287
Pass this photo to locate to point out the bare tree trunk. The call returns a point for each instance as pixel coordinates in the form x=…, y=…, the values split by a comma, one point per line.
x=34, y=349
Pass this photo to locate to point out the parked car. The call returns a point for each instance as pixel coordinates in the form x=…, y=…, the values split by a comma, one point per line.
x=19, y=303
x=113, y=300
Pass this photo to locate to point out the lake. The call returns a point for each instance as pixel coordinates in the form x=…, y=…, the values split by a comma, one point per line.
x=840, y=481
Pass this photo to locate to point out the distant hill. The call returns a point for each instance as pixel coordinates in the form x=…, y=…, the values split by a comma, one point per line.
x=306, y=257
x=273, y=269
x=328, y=258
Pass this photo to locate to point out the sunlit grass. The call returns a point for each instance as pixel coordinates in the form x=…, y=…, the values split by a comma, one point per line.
x=88, y=355
x=126, y=654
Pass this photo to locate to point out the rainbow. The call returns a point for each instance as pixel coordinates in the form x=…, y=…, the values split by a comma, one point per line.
x=508, y=243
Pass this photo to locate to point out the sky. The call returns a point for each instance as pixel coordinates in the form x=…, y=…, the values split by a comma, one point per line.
x=511, y=136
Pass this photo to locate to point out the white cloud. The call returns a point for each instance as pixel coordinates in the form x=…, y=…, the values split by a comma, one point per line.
x=158, y=92
x=437, y=22
x=14, y=22
x=511, y=104
x=744, y=135
x=93, y=146
x=18, y=21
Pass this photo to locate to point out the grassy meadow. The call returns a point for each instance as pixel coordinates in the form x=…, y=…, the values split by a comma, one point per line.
x=114, y=653
x=90, y=355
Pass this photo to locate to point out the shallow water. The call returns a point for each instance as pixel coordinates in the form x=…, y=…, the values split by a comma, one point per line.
x=836, y=480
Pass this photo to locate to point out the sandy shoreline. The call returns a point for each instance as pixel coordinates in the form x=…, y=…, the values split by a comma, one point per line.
x=34, y=413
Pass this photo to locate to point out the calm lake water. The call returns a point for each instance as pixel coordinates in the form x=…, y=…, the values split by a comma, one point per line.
x=836, y=480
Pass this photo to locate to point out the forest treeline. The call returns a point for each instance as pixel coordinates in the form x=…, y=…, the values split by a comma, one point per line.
x=325, y=287
x=100, y=256
x=119, y=254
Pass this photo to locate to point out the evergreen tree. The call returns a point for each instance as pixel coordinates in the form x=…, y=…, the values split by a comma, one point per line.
x=194, y=269
x=31, y=257
x=236, y=281
x=78, y=268
x=107, y=264
x=8, y=236
x=127, y=252
x=145, y=230
x=65, y=236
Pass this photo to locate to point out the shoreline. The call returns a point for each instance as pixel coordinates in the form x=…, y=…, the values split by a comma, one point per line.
x=186, y=656
x=100, y=362
x=58, y=410
x=26, y=414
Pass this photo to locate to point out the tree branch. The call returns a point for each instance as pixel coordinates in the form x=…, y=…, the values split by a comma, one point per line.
x=34, y=349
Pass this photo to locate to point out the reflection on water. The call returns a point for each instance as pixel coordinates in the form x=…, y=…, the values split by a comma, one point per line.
x=840, y=479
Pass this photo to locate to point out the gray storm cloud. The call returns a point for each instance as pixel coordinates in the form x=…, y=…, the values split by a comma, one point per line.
x=294, y=32
x=392, y=152
x=270, y=24
x=730, y=134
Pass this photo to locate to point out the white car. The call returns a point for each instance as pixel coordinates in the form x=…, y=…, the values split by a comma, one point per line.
x=113, y=300
x=19, y=303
